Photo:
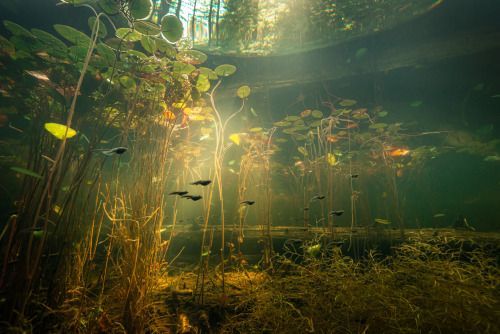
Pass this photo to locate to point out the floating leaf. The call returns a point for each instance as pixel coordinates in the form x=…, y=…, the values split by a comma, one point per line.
x=148, y=44
x=382, y=221
x=378, y=126
x=209, y=73
x=202, y=83
x=289, y=131
x=128, y=34
x=330, y=157
x=235, y=138
x=53, y=45
x=17, y=30
x=317, y=114
x=225, y=70
x=72, y=35
x=281, y=123
x=171, y=28
x=25, y=171
x=243, y=92
x=111, y=7
x=147, y=28
x=59, y=130
x=140, y=9
x=347, y=103
x=183, y=68
x=193, y=57
x=291, y=118
x=306, y=113
x=102, y=27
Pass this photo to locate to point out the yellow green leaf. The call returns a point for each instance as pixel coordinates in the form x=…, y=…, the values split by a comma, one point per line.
x=60, y=131
x=243, y=92
x=235, y=138
x=330, y=157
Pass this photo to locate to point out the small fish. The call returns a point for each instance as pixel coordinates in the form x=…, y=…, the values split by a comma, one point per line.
x=337, y=213
x=492, y=158
x=180, y=193
x=110, y=152
x=317, y=197
x=306, y=209
x=382, y=221
x=399, y=152
x=201, y=183
x=439, y=215
x=354, y=176
x=192, y=197
x=248, y=202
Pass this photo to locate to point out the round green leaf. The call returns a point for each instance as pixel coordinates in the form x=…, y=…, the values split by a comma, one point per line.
x=102, y=27
x=128, y=34
x=202, y=84
x=209, y=73
x=225, y=70
x=148, y=44
x=317, y=114
x=147, y=28
x=110, y=7
x=140, y=9
x=243, y=92
x=171, y=28
x=72, y=35
x=192, y=57
x=183, y=68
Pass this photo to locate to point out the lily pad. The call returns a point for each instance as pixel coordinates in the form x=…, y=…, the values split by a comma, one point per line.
x=317, y=114
x=225, y=70
x=291, y=118
x=202, y=83
x=171, y=28
x=193, y=57
x=59, y=131
x=183, y=68
x=348, y=103
x=209, y=73
x=72, y=35
x=103, y=32
x=128, y=34
x=53, y=45
x=140, y=9
x=111, y=7
x=243, y=92
x=148, y=44
x=25, y=171
x=281, y=124
x=147, y=28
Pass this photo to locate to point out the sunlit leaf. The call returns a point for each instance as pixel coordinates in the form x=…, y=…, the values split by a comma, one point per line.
x=243, y=92
x=140, y=9
x=147, y=28
x=330, y=158
x=171, y=28
x=225, y=70
x=209, y=73
x=235, y=138
x=72, y=35
x=202, y=83
x=59, y=130
x=183, y=68
x=128, y=34
x=193, y=57
x=148, y=44
x=25, y=171
x=258, y=129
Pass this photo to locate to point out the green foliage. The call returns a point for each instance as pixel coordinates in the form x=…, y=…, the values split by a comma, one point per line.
x=171, y=28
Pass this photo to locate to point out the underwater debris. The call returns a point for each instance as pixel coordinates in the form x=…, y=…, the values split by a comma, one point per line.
x=461, y=223
x=313, y=250
x=248, y=202
x=180, y=193
x=192, y=197
x=201, y=183
x=337, y=213
x=317, y=197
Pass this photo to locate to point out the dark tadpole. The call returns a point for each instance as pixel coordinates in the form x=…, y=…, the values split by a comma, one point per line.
x=354, y=176
x=116, y=150
x=306, y=209
x=180, y=193
x=248, y=202
x=318, y=197
x=192, y=197
x=201, y=183
x=337, y=213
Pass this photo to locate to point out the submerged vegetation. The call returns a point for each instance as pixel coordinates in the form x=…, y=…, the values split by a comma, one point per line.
x=146, y=196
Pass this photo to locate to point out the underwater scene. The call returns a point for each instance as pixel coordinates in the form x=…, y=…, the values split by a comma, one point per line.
x=249, y=166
